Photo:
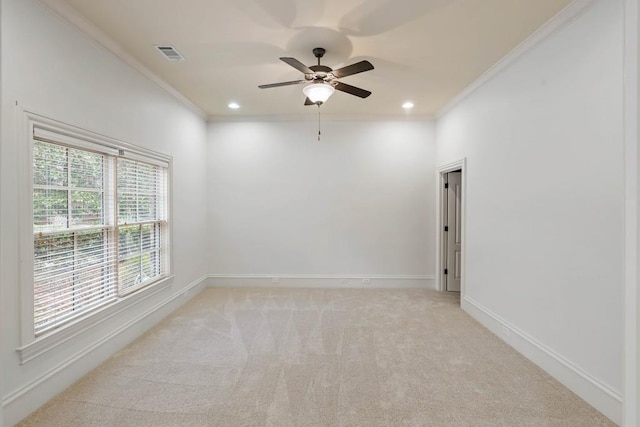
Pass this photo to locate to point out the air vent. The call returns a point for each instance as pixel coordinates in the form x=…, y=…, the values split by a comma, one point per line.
x=170, y=53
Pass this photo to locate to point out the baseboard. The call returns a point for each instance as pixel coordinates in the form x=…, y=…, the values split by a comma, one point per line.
x=593, y=391
x=22, y=402
x=319, y=281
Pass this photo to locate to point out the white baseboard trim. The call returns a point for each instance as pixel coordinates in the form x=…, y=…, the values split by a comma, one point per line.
x=593, y=391
x=25, y=400
x=319, y=281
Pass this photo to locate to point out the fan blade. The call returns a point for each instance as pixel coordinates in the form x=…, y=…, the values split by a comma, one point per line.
x=297, y=65
x=308, y=102
x=352, y=90
x=293, y=82
x=349, y=70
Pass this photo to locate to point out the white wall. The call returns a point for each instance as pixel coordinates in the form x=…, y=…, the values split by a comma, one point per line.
x=358, y=203
x=1, y=297
x=632, y=214
x=52, y=69
x=543, y=142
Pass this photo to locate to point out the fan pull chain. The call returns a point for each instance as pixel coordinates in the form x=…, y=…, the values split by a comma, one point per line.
x=318, y=122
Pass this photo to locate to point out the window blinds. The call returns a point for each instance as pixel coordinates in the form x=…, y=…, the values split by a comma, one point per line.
x=141, y=223
x=74, y=244
x=100, y=229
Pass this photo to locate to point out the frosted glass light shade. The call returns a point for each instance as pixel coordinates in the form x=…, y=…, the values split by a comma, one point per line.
x=318, y=92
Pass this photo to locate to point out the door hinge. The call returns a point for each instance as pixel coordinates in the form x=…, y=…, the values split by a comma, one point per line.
x=446, y=185
x=446, y=271
x=446, y=228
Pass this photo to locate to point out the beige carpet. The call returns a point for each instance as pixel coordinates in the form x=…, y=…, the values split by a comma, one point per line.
x=304, y=357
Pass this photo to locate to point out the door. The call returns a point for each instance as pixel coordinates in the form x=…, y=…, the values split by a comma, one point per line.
x=453, y=231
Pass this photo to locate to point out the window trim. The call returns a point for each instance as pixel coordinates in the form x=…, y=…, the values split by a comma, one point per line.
x=84, y=323
x=32, y=346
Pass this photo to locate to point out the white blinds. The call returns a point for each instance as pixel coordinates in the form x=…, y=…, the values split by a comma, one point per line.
x=140, y=255
x=100, y=229
x=73, y=273
x=74, y=246
x=141, y=223
x=141, y=192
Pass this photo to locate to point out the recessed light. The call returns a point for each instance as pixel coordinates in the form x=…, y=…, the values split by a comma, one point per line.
x=234, y=105
x=407, y=105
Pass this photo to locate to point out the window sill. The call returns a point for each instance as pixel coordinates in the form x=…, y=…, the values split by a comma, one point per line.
x=45, y=343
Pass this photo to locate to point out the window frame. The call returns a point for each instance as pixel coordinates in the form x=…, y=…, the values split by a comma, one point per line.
x=58, y=132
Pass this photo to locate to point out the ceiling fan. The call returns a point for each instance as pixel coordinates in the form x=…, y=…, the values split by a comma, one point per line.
x=322, y=80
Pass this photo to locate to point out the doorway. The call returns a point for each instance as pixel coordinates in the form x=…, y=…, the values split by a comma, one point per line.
x=451, y=227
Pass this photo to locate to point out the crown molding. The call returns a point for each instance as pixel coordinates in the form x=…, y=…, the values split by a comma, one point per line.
x=564, y=17
x=89, y=29
x=555, y=24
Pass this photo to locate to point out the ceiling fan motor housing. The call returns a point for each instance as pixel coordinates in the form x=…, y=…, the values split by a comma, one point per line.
x=320, y=71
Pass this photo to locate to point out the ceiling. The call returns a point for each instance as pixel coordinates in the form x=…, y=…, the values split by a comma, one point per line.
x=425, y=51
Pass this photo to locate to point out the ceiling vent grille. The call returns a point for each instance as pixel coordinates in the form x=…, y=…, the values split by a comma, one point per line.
x=170, y=53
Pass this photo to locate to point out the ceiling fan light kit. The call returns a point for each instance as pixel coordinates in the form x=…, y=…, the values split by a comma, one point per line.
x=318, y=93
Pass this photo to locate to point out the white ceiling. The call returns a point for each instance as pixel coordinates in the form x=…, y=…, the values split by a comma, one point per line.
x=426, y=51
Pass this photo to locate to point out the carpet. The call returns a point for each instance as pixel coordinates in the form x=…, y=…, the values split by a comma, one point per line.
x=318, y=357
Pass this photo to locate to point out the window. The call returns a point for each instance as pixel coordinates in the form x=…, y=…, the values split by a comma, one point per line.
x=73, y=239
x=141, y=209
x=100, y=226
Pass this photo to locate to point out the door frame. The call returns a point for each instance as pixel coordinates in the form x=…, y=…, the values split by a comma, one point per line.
x=442, y=170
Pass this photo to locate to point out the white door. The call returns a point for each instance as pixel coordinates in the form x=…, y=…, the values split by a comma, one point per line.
x=453, y=231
